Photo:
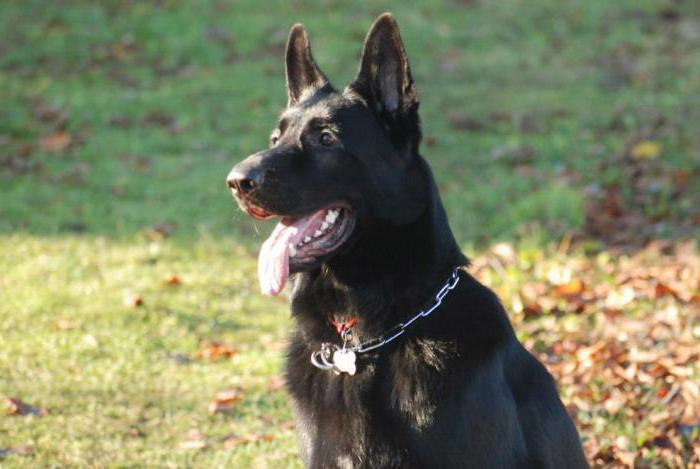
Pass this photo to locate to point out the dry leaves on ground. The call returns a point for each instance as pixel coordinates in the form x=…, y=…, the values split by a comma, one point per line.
x=133, y=300
x=56, y=142
x=172, y=280
x=215, y=350
x=621, y=335
x=225, y=400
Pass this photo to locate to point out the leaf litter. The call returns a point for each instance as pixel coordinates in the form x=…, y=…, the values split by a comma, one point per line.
x=620, y=332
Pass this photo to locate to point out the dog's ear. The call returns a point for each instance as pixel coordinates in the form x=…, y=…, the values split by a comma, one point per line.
x=302, y=72
x=384, y=79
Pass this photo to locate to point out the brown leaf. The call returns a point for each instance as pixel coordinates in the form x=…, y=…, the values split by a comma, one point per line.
x=55, y=142
x=572, y=288
x=625, y=457
x=225, y=400
x=16, y=406
x=133, y=300
x=532, y=310
x=615, y=402
x=662, y=289
x=173, y=280
x=213, y=350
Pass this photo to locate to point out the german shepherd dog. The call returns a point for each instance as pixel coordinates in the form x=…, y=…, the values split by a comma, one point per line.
x=399, y=357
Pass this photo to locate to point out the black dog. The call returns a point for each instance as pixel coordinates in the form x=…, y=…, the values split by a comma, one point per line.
x=365, y=238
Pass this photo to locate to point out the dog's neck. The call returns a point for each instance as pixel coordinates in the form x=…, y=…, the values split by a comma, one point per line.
x=384, y=277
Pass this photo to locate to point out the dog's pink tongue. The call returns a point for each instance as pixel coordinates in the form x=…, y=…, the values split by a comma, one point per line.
x=273, y=262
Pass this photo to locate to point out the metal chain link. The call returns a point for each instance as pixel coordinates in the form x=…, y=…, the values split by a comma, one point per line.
x=324, y=358
x=401, y=327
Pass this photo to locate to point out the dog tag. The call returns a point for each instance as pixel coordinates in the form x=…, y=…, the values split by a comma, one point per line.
x=344, y=361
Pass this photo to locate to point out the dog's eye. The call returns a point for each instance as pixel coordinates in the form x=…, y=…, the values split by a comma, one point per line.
x=327, y=139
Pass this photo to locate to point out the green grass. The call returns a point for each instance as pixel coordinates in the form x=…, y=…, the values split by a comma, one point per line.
x=162, y=98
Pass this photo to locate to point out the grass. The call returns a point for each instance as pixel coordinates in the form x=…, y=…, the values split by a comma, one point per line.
x=159, y=100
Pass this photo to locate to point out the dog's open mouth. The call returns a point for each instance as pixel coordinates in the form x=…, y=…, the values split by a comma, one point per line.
x=301, y=241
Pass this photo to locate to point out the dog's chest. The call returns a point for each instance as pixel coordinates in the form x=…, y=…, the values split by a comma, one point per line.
x=369, y=419
x=346, y=425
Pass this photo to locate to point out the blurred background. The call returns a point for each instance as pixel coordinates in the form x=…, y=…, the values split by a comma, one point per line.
x=565, y=138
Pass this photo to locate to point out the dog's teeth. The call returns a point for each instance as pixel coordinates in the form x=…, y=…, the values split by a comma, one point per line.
x=317, y=233
x=324, y=226
x=292, y=250
x=332, y=215
x=307, y=239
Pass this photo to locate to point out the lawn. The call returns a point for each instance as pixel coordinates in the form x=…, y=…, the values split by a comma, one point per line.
x=565, y=138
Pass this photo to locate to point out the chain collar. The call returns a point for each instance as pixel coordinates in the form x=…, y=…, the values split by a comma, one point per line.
x=342, y=359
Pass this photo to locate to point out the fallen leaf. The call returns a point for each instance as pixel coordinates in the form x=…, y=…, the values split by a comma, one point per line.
x=214, y=349
x=615, y=402
x=625, y=457
x=532, y=310
x=225, y=400
x=55, y=142
x=646, y=150
x=133, y=300
x=572, y=288
x=617, y=299
x=661, y=289
x=172, y=279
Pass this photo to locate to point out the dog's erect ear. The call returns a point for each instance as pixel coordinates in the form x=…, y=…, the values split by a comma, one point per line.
x=302, y=71
x=385, y=78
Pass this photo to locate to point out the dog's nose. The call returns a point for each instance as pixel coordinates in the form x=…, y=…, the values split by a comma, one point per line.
x=244, y=182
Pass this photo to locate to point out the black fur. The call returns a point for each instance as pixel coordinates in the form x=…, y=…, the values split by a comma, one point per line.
x=458, y=389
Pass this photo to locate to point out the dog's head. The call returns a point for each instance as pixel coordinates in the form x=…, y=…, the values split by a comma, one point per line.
x=338, y=161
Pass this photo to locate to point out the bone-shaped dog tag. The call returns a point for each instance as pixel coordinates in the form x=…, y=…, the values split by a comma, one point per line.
x=344, y=361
